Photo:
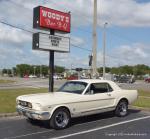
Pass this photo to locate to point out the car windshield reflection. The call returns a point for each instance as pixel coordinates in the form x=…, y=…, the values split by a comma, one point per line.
x=73, y=87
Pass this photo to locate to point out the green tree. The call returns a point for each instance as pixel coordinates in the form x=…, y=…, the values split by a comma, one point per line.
x=4, y=71
x=115, y=70
x=23, y=69
x=141, y=69
x=126, y=69
x=59, y=69
x=107, y=70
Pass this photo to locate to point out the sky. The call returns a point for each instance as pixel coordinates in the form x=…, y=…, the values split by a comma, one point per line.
x=127, y=32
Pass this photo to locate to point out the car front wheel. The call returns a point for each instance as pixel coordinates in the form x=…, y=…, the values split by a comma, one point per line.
x=122, y=109
x=60, y=119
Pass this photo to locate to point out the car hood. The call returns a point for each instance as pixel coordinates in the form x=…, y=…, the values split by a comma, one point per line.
x=50, y=98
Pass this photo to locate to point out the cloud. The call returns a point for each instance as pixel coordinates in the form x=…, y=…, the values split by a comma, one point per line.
x=10, y=56
x=133, y=54
x=77, y=41
x=62, y=59
x=11, y=36
x=128, y=13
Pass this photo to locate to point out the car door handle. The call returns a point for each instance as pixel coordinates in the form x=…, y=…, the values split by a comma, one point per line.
x=109, y=94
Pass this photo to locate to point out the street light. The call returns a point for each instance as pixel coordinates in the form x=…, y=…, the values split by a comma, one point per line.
x=71, y=68
x=104, y=47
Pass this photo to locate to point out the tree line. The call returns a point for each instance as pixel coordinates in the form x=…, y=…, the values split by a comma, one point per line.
x=43, y=70
x=25, y=69
x=137, y=70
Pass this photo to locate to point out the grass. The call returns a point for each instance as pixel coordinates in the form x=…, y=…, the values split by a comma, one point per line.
x=6, y=81
x=8, y=98
x=142, y=102
x=144, y=93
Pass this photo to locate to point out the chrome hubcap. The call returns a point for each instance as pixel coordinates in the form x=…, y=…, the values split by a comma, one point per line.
x=61, y=119
x=123, y=109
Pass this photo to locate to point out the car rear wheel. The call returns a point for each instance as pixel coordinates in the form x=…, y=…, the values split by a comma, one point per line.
x=60, y=119
x=122, y=109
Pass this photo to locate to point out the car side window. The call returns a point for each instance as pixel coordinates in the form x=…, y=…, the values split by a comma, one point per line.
x=100, y=88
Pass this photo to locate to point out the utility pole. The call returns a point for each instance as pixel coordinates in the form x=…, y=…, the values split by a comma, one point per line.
x=94, y=48
x=40, y=70
x=104, y=49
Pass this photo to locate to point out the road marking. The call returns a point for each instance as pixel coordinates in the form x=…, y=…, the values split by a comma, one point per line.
x=99, y=128
x=25, y=135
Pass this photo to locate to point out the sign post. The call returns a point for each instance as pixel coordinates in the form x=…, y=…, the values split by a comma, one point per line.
x=51, y=67
x=53, y=20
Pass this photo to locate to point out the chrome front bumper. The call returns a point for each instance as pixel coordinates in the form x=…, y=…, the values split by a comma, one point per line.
x=38, y=115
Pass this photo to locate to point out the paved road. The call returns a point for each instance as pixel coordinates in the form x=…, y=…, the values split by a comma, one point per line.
x=30, y=83
x=137, y=85
x=105, y=126
x=40, y=83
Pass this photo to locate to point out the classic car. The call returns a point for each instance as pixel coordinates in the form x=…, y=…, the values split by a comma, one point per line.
x=74, y=99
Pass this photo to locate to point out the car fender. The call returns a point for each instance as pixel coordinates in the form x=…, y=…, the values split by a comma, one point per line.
x=120, y=98
x=59, y=106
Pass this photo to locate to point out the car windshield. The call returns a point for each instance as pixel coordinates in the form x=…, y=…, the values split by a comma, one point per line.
x=73, y=87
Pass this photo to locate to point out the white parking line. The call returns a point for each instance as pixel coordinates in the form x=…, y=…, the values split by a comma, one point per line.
x=25, y=135
x=99, y=128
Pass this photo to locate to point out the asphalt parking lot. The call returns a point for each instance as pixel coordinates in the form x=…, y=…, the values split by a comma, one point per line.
x=105, y=126
x=29, y=83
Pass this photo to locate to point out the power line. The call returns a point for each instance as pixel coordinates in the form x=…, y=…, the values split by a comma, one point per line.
x=79, y=29
x=73, y=45
x=10, y=25
x=75, y=28
x=81, y=47
x=120, y=36
x=33, y=32
x=116, y=57
x=5, y=23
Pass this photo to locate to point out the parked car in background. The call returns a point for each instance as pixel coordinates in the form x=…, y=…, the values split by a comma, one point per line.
x=32, y=76
x=57, y=77
x=72, y=77
x=26, y=76
x=147, y=80
x=125, y=79
x=74, y=99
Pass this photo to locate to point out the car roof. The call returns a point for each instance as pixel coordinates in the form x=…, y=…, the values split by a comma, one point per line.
x=92, y=80
x=89, y=81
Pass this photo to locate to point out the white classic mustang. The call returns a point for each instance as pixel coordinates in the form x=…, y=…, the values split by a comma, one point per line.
x=74, y=99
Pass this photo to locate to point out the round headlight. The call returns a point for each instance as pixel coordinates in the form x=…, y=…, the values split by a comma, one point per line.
x=17, y=102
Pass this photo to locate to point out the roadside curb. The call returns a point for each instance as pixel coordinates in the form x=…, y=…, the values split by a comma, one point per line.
x=9, y=115
x=140, y=108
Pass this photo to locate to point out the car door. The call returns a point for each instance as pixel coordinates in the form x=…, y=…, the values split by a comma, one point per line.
x=98, y=96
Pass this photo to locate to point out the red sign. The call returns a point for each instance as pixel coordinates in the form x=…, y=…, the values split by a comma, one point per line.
x=51, y=19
